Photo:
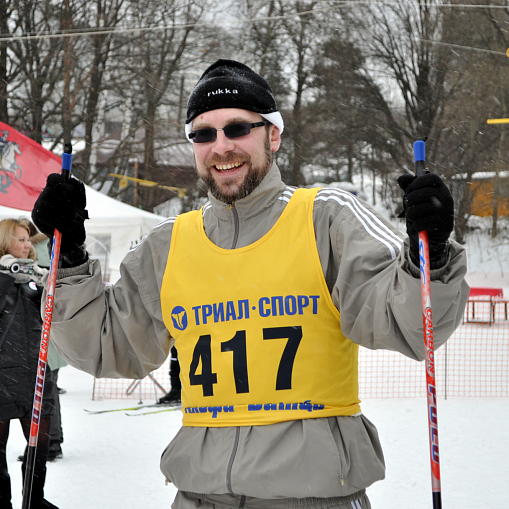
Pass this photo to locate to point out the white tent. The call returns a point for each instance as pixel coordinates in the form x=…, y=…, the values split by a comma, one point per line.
x=112, y=230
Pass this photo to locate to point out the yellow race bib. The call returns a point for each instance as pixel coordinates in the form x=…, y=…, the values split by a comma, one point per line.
x=257, y=333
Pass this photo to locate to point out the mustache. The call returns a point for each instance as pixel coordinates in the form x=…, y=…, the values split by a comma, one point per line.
x=228, y=159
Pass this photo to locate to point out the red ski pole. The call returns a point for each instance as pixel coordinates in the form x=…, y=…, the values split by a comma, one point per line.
x=43, y=350
x=427, y=314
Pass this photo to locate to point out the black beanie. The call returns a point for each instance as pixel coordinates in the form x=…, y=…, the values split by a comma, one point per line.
x=231, y=84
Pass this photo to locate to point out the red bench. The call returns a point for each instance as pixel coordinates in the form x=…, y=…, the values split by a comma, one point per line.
x=493, y=296
x=494, y=292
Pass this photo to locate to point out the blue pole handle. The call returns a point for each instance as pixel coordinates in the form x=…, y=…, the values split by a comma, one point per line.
x=419, y=157
x=420, y=150
x=67, y=161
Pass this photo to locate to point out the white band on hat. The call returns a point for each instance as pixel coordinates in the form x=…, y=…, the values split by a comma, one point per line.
x=274, y=118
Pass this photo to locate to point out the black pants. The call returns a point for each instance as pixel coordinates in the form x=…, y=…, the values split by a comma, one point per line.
x=56, y=433
x=175, y=370
x=41, y=453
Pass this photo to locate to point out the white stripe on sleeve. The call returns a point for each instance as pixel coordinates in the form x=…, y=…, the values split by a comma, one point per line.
x=369, y=221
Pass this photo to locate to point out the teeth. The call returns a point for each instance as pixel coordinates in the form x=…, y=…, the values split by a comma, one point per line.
x=225, y=167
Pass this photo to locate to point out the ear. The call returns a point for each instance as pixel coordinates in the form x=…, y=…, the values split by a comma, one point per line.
x=275, y=138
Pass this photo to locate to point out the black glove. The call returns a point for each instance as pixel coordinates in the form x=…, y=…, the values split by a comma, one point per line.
x=428, y=206
x=61, y=205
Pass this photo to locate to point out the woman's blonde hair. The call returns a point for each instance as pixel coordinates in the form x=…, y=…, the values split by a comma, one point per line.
x=7, y=233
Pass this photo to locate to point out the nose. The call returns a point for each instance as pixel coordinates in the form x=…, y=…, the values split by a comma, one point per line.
x=222, y=144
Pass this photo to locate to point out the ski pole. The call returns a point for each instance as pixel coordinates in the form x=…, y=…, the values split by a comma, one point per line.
x=427, y=315
x=43, y=350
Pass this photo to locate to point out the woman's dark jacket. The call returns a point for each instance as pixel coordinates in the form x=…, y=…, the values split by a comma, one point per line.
x=20, y=337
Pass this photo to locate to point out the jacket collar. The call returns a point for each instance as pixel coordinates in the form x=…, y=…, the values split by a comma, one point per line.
x=262, y=197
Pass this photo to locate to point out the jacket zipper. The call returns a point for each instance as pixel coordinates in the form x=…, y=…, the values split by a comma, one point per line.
x=230, y=463
x=236, y=225
x=237, y=430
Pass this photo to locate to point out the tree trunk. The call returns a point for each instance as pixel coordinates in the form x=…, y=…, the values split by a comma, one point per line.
x=350, y=156
x=96, y=79
x=464, y=210
x=4, y=29
x=149, y=158
x=37, y=111
x=496, y=184
x=299, y=143
x=67, y=56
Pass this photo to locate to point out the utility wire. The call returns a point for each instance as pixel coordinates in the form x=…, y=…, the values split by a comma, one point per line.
x=465, y=47
x=106, y=31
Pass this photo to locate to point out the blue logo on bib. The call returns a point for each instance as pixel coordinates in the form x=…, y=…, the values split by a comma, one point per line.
x=179, y=317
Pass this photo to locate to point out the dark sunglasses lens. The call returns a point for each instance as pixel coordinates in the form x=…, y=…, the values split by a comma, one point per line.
x=237, y=130
x=204, y=135
x=231, y=131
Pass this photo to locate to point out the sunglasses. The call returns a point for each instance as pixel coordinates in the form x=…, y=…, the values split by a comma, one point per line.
x=236, y=130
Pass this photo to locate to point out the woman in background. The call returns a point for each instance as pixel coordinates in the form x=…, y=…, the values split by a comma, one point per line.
x=20, y=336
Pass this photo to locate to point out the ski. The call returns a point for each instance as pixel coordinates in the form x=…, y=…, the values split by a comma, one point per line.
x=129, y=409
x=174, y=407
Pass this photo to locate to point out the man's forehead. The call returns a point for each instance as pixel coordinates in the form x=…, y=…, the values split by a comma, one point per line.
x=225, y=115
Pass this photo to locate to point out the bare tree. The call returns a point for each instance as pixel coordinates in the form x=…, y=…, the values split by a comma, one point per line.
x=398, y=39
x=150, y=78
x=9, y=69
x=467, y=145
x=39, y=58
x=408, y=44
x=351, y=117
x=498, y=19
x=103, y=15
x=262, y=47
x=67, y=49
x=303, y=33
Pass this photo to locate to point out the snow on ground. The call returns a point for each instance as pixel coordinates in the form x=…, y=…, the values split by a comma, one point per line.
x=112, y=460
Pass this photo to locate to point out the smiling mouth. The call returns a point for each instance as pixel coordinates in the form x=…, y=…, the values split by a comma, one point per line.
x=227, y=167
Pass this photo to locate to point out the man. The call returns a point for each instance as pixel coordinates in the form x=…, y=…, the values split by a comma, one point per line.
x=267, y=292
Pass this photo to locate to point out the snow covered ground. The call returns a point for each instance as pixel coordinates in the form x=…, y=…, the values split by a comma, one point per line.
x=112, y=460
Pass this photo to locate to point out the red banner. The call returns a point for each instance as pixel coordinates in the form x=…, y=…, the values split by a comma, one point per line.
x=24, y=167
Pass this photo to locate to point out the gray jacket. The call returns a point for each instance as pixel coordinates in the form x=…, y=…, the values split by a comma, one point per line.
x=118, y=331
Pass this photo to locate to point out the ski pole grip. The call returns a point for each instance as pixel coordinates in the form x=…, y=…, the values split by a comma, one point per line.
x=67, y=161
x=420, y=157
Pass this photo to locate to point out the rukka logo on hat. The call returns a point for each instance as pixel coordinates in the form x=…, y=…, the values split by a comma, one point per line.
x=223, y=91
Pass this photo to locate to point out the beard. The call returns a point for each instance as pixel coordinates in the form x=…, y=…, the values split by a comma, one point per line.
x=253, y=178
